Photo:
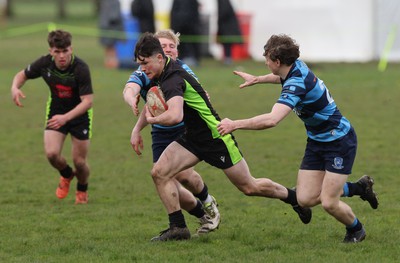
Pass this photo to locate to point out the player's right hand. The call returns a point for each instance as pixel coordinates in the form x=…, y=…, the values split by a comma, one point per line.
x=248, y=78
x=135, y=103
x=137, y=142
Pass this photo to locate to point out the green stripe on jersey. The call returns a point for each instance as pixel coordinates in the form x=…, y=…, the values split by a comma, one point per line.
x=195, y=101
x=90, y=116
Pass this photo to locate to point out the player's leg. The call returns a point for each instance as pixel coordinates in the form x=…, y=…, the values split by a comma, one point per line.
x=240, y=176
x=308, y=188
x=192, y=180
x=363, y=188
x=189, y=178
x=330, y=201
x=194, y=207
x=80, y=150
x=53, y=144
x=173, y=160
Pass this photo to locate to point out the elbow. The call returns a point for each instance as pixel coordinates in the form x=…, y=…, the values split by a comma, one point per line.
x=89, y=104
x=176, y=120
x=274, y=123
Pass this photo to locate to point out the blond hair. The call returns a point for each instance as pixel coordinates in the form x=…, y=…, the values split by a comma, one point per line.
x=168, y=34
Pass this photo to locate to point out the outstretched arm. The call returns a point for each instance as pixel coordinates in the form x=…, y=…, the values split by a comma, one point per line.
x=250, y=80
x=131, y=95
x=260, y=122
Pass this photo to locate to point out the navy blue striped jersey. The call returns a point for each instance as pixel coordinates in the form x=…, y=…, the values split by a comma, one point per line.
x=310, y=99
x=144, y=82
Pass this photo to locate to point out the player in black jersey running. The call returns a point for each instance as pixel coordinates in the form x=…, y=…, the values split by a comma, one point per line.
x=188, y=101
x=69, y=109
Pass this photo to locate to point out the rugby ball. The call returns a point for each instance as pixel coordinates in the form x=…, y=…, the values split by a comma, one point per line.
x=155, y=101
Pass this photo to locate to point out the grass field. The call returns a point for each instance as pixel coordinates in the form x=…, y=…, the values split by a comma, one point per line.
x=124, y=210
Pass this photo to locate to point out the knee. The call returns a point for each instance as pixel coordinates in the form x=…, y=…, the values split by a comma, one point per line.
x=329, y=205
x=303, y=202
x=183, y=178
x=248, y=190
x=52, y=157
x=79, y=163
x=156, y=173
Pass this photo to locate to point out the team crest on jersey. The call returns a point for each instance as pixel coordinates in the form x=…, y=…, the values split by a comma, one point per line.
x=338, y=163
x=222, y=158
x=63, y=91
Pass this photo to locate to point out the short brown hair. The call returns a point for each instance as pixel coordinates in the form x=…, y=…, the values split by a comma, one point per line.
x=282, y=47
x=59, y=39
x=147, y=46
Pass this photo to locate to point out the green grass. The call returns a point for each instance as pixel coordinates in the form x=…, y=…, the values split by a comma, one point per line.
x=124, y=210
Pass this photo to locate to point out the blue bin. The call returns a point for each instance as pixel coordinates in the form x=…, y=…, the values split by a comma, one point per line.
x=125, y=48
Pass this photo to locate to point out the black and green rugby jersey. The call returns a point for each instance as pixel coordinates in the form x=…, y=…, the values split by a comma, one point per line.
x=199, y=116
x=66, y=86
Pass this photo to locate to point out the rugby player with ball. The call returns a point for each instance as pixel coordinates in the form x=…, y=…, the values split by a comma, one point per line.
x=193, y=192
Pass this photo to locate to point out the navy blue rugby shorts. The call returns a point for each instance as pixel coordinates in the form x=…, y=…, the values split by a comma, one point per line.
x=337, y=156
x=163, y=137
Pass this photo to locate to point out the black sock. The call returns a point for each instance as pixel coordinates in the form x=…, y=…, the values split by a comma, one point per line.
x=355, y=189
x=198, y=210
x=291, y=198
x=202, y=196
x=66, y=172
x=82, y=187
x=177, y=219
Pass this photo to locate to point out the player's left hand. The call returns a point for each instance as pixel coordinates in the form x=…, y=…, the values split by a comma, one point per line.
x=16, y=95
x=57, y=121
x=226, y=126
x=149, y=117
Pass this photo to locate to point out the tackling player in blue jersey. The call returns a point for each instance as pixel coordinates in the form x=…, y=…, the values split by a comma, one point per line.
x=332, y=141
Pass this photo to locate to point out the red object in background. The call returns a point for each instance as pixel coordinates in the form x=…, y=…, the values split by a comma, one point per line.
x=241, y=51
